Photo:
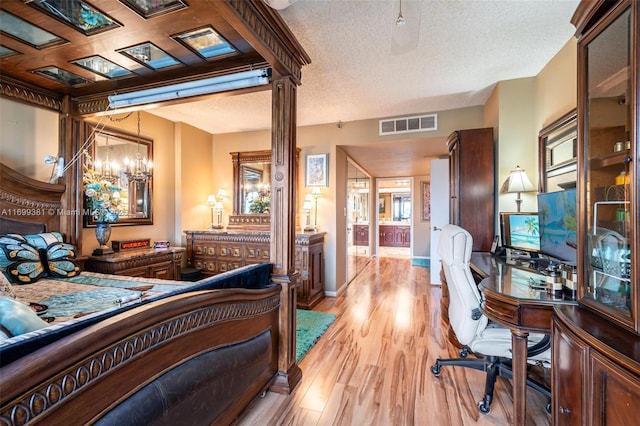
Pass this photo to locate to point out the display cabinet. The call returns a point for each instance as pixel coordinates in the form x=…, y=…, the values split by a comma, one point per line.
x=596, y=344
x=608, y=172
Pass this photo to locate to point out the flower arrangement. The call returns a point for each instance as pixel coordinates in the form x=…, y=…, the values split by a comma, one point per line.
x=103, y=197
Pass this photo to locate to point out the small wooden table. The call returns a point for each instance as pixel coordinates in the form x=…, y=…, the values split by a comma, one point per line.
x=510, y=301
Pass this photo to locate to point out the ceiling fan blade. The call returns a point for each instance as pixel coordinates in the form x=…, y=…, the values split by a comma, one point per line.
x=405, y=31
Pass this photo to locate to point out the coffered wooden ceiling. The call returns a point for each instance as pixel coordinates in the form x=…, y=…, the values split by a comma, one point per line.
x=256, y=32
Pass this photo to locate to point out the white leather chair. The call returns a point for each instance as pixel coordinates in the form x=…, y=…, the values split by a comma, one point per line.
x=490, y=342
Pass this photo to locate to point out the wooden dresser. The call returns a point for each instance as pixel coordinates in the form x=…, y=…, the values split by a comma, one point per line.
x=215, y=252
x=148, y=263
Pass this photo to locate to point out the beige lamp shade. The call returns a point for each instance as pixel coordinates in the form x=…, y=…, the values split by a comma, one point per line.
x=517, y=182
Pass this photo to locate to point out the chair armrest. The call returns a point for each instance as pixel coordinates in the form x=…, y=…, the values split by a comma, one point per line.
x=539, y=347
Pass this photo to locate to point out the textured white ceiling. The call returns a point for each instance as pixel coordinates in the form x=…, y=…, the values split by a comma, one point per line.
x=463, y=48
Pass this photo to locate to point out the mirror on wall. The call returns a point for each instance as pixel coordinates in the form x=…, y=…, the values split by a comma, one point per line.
x=114, y=155
x=401, y=210
x=358, y=225
x=558, y=154
x=255, y=189
x=251, y=182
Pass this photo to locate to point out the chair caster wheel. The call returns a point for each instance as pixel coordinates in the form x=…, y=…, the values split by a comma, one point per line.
x=548, y=407
x=435, y=370
x=483, y=407
x=463, y=352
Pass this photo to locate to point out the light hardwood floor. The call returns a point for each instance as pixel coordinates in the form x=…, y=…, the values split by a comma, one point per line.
x=372, y=365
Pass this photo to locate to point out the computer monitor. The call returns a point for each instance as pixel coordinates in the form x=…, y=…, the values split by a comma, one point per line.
x=520, y=231
x=558, y=225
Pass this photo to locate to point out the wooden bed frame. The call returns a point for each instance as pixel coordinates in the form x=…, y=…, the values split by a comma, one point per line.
x=196, y=357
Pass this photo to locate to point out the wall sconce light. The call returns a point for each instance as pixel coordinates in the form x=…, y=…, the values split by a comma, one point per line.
x=517, y=182
x=306, y=206
x=58, y=166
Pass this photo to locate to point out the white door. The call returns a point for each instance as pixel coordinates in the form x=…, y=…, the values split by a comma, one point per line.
x=439, y=194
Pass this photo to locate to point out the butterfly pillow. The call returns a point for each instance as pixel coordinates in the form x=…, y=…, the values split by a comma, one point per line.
x=28, y=262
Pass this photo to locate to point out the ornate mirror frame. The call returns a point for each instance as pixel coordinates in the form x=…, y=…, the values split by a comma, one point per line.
x=137, y=208
x=245, y=161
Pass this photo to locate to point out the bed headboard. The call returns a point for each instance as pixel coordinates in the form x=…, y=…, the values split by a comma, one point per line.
x=28, y=205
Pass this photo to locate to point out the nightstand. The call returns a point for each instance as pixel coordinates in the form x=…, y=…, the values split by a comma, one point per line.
x=148, y=263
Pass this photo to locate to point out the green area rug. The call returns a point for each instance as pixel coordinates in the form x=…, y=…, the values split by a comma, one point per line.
x=310, y=325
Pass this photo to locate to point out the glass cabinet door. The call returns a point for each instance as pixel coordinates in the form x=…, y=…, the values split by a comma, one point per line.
x=607, y=181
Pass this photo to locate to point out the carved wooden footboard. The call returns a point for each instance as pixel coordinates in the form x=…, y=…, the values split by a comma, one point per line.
x=176, y=358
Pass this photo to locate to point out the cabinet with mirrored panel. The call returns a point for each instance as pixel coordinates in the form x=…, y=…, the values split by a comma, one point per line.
x=596, y=344
x=608, y=171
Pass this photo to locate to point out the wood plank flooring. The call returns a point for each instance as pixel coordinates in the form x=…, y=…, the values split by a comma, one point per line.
x=372, y=366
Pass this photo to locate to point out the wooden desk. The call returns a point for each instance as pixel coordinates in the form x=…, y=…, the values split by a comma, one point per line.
x=510, y=302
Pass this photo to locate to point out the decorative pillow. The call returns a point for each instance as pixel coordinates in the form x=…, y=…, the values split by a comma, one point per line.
x=47, y=255
x=17, y=318
x=41, y=240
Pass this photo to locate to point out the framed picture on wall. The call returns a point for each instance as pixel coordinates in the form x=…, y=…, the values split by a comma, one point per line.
x=425, y=197
x=380, y=205
x=317, y=173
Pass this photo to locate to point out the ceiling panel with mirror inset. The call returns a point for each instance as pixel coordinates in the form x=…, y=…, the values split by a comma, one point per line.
x=102, y=66
x=206, y=42
x=26, y=32
x=77, y=14
x=150, y=55
x=150, y=8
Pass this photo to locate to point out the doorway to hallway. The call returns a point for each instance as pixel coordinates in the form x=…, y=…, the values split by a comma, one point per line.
x=394, y=225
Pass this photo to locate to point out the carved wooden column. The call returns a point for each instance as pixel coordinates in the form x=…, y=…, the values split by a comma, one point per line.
x=283, y=207
x=71, y=138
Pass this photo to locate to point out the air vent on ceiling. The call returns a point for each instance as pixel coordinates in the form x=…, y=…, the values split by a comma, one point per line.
x=419, y=123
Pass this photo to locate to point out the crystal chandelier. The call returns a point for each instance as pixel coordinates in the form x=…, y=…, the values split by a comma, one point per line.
x=106, y=169
x=138, y=169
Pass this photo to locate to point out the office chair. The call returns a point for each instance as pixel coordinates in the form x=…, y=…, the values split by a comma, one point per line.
x=489, y=341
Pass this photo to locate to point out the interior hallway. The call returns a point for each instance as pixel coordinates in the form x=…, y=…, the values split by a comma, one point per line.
x=372, y=365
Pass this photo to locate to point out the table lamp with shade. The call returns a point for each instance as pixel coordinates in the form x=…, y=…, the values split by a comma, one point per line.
x=517, y=182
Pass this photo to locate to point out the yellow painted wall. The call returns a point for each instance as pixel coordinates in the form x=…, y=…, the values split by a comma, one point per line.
x=164, y=187
x=194, y=178
x=27, y=135
x=557, y=85
x=517, y=139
